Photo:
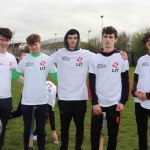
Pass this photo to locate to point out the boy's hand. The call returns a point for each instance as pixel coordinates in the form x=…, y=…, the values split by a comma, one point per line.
x=23, y=54
x=120, y=107
x=137, y=93
x=54, y=136
x=142, y=96
x=97, y=109
x=124, y=55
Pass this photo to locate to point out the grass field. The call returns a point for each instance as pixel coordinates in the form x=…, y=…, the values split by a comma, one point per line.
x=127, y=139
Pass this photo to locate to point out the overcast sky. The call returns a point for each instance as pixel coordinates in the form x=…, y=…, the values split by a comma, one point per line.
x=47, y=17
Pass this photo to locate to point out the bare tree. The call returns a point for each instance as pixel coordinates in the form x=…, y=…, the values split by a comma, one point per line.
x=124, y=41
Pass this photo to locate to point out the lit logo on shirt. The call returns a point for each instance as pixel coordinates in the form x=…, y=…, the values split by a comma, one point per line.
x=144, y=64
x=42, y=65
x=115, y=67
x=79, y=61
x=10, y=64
x=49, y=86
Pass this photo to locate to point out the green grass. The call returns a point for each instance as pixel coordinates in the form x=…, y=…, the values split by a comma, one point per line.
x=127, y=139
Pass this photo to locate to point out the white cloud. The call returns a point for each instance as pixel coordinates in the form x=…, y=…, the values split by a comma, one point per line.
x=47, y=17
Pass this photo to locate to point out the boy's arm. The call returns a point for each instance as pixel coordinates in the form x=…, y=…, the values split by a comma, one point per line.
x=17, y=76
x=125, y=87
x=134, y=87
x=91, y=89
x=20, y=80
x=92, y=94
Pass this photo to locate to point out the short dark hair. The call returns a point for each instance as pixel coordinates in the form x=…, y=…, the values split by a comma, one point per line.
x=110, y=30
x=72, y=32
x=31, y=39
x=145, y=37
x=6, y=33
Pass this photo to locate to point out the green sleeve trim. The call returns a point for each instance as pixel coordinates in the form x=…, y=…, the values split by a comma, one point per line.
x=54, y=75
x=15, y=75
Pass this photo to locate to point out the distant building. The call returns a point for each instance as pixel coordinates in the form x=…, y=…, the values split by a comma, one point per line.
x=14, y=46
x=52, y=45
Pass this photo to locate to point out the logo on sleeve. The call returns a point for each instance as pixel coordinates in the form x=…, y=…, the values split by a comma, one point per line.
x=79, y=61
x=42, y=65
x=144, y=64
x=115, y=67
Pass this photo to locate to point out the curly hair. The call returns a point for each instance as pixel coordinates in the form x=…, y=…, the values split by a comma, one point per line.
x=145, y=37
x=31, y=39
x=110, y=30
x=6, y=33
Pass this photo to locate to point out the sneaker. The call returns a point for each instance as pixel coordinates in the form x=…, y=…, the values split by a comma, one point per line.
x=1, y=128
x=35, y=138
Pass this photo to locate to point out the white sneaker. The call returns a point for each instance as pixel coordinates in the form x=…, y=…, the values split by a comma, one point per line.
x=35, y=138
x=1, y=128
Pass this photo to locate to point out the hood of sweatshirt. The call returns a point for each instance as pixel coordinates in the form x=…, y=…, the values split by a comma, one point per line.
x=66, y=43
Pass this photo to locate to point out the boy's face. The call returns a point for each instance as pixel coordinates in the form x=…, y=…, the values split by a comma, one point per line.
x=148, y=43
x=4, y=43
x=35, y=48
x=72, y=41
x=109, y=40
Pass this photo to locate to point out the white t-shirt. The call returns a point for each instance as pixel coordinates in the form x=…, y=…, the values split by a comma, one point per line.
x=108, y=77
x=72, y=71
x=35, y=71
x=143, y=71
x=7, y=64
x=51, y=93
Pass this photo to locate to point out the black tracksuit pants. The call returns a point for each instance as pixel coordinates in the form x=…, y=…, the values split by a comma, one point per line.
x=5, y=110
x=113, y=120
x=40, y=115
x=69, y=110
x=142, y=115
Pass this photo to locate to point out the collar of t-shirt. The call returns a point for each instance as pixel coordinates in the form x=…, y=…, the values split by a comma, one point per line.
x=35, y=55
x=108, y=53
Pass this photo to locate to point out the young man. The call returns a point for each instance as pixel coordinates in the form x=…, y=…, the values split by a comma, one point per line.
x=72, y=64
x=35, y=67
x=108, y=88
x=141, y=94
x=7, y=65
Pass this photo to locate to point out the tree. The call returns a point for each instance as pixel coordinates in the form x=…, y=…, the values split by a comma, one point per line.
x=137, y=46
x=123, y=41
x=26, y=49
x=93, y=44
